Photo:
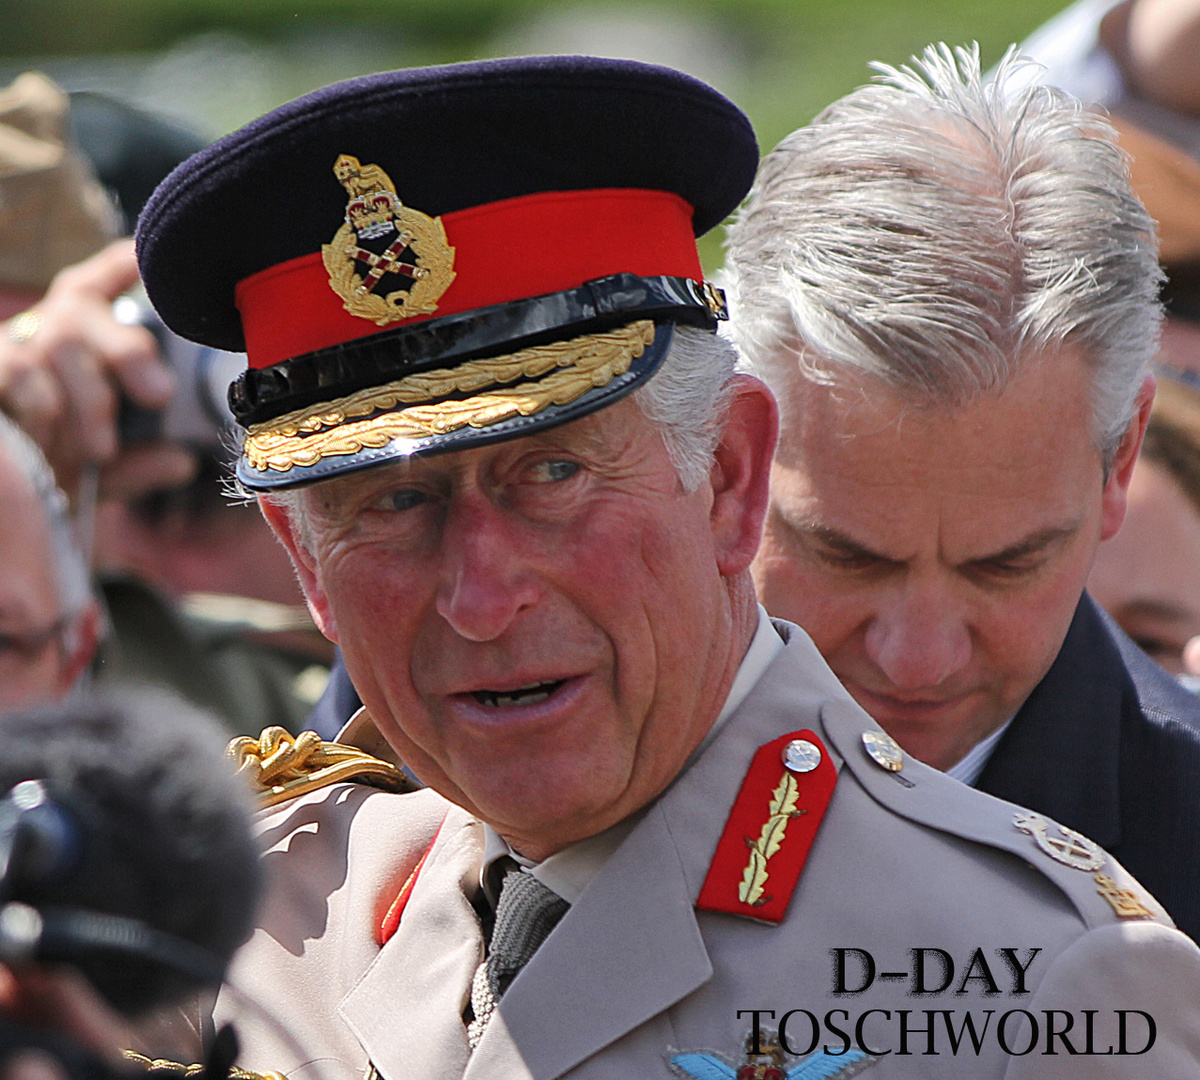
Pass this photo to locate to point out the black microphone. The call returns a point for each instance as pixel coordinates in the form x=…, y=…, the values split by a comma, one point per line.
x=125, y=845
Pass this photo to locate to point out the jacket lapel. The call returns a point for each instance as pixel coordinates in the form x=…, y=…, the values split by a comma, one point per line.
x=407, y=1009
x=627, y=950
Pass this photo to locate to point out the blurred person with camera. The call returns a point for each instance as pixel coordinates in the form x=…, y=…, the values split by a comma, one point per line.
x=198, y=593
x=52, y=213
x=64, y=359
x=128, y=877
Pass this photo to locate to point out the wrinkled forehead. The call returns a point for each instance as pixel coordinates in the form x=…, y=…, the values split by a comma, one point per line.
x=1056, y=377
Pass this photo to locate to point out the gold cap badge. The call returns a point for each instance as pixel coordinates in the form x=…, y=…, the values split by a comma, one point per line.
x=388, y=262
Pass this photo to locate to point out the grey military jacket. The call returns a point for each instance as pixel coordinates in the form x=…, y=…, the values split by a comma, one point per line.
x=934, y=932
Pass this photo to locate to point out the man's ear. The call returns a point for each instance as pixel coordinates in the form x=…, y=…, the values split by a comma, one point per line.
x=741, y=473
x=305, y=565
x=1116, y=486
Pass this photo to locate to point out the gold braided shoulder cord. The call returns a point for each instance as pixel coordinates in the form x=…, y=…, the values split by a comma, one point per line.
x=164, y=1067
x=281, y=767
x=589, y=361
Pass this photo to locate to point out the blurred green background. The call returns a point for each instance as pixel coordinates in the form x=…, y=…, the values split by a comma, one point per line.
x=213, y=64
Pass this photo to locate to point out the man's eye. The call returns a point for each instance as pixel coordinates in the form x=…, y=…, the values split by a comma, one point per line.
x=553, y=472
x=845, y=558
x=405, y=499
x=1008, y=570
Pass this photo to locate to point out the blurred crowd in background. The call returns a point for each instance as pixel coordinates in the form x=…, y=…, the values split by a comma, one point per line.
x=191, y=590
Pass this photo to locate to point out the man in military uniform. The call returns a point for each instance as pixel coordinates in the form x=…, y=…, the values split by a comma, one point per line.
x=658, y=838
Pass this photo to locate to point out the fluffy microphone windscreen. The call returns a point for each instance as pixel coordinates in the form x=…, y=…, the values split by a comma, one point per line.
x=162, y=826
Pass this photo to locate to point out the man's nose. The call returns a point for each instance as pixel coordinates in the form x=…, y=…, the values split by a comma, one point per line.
x=487, y=574
x=919, y=639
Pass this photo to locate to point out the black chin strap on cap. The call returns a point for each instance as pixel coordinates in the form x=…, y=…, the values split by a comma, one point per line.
x=262, y=394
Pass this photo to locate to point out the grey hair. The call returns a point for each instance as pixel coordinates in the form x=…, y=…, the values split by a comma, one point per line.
x=686, y=398
x=71, y=576
x=934, y=231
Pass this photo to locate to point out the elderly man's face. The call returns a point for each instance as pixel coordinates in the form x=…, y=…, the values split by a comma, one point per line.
x=936, y=556
x=544, y=628
x=33, y=667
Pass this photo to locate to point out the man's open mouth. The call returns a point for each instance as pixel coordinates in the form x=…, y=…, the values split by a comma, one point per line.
x=526, y=695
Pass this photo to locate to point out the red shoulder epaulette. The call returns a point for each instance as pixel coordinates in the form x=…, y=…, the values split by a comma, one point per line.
x=770, y=829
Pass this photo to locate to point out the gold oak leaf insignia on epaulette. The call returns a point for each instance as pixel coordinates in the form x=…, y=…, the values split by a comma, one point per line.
x=282, y=767
x=782, y=808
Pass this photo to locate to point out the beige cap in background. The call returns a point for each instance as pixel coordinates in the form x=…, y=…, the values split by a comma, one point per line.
x=53, y=211
x=1167, y=180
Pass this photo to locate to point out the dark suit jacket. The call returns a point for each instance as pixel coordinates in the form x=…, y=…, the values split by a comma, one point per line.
x=1109, y=744
x=339, y=702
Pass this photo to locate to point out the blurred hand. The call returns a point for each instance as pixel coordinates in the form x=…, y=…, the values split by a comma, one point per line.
x=63, y=382
x=60, y=1001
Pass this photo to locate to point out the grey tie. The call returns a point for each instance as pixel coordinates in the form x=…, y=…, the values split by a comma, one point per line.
x=526, y=912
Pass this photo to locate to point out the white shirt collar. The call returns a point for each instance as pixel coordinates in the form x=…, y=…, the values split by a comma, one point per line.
x=968, y=769
x=569, y=871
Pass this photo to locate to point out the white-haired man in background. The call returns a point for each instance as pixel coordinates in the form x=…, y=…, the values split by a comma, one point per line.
x=952, y=290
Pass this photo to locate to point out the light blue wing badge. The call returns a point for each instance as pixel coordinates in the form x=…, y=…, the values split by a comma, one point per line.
x=765, y=1060
x=703, y=1067
x=823, y=1066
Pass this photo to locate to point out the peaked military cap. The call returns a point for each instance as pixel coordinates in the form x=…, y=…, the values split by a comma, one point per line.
x=432, y=259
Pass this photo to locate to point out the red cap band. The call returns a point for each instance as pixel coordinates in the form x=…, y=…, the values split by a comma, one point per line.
x=503, y=251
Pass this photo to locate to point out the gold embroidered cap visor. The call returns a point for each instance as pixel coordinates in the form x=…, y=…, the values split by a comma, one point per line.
x=477, y=401
x=464, y=379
